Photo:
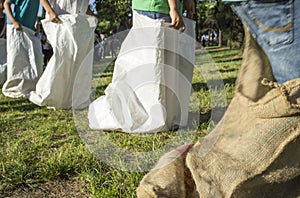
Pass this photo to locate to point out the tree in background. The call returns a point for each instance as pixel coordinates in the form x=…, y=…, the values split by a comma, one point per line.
x=217, y=18
x=112, y=13
x=213, y=19
x=230, y=26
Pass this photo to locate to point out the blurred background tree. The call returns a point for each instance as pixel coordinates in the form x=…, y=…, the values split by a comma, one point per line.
x=216, y=23
x=112, y=14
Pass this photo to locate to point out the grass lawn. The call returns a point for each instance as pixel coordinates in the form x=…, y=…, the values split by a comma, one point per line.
x=42, y=155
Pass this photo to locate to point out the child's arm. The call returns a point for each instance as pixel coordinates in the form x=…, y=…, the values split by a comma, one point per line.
x=11, y=17
x=177, y=21
x=53, y=16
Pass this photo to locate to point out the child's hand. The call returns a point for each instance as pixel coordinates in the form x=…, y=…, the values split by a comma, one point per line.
x=177, y=21
x=17, y=26
x=54, y=18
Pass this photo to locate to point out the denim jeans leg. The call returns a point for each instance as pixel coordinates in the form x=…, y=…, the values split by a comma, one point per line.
x=276, y=27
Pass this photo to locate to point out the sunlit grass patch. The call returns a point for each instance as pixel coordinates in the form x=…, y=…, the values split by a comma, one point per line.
x=38, y=145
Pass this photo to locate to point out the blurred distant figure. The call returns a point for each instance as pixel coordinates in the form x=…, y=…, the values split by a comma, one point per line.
x=114, y=46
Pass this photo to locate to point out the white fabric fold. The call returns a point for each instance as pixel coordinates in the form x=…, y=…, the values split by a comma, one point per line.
x=72, y=41
x=24, y=62
x=151, y=84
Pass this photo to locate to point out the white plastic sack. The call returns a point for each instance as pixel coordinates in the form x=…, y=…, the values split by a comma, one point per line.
x=151, y=83
x=69, y=6
x=72, y=41
x=24, y=62
x=3, y=61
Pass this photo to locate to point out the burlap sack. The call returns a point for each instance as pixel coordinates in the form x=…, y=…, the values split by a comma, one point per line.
x=253, y=152
x=169, y=178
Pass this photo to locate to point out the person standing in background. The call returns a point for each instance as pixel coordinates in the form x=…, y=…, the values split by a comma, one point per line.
x=72, y=40
x=254, y=150
x=169, y=10
x=24, y=54
x=146, y=85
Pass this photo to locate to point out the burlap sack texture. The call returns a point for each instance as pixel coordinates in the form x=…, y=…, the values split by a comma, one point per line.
x=169, y=178
x=255, y=149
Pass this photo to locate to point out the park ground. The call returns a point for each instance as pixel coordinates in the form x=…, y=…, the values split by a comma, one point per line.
x=42, y=155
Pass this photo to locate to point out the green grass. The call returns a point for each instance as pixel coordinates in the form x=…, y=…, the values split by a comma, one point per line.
x=38, y=145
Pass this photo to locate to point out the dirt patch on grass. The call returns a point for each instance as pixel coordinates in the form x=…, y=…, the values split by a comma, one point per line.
x=53, y=189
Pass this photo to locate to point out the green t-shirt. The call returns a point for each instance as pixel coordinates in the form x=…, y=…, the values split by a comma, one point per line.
x=25, y=12
x=161, y=6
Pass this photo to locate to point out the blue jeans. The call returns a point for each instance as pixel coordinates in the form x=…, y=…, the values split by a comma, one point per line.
x=155, y=15
x=276, y=27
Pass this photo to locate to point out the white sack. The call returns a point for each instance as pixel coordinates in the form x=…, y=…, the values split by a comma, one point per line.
x=24, y=62
x=151, y=83
x=72, y=41
x=3, y=61
x=69, y=6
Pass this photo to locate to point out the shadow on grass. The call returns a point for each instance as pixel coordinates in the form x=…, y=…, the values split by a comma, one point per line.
x=212, y=84
x=13, y=101
x=225, y=56
x=17, y=105
x=24, y=107
x=99, y=91
x=230, y=81
x=199, y=86
x=227, y=70
x=103, y=75
x=229, y=60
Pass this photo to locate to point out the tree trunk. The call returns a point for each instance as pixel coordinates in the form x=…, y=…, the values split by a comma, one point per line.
x=220, y=38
